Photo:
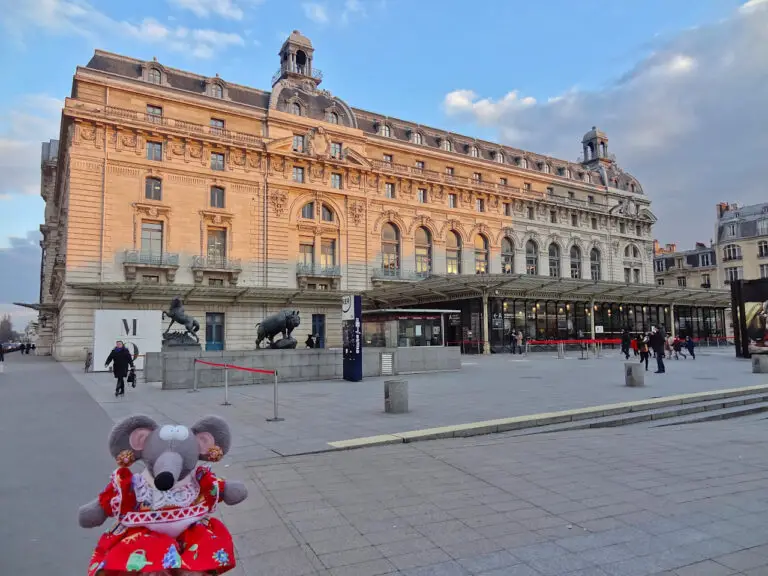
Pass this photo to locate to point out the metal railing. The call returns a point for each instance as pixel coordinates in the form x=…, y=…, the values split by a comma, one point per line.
x=168, y=259
x=399, y=274
x=583, y=204
x=216, y=263
x=316, y=74
x=303, y=269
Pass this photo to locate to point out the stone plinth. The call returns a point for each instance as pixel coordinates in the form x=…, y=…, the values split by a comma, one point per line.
x=759, y=363
x=634, y=374
x=396, y=396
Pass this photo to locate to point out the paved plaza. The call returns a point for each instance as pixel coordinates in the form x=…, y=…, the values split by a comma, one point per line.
x=633, y=501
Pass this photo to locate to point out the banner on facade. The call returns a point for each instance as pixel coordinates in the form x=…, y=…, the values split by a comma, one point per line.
x=352, y=337
x=140, y=331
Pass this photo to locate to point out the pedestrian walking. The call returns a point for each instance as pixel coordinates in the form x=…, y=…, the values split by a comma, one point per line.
x=658, y=342
x=626, y=341
x=690, y=345
x=2, y=357
x=121, y=359
x=310, y=342
x=677, y=347
x=519, y=338
x=644, y=350
x=27, y=348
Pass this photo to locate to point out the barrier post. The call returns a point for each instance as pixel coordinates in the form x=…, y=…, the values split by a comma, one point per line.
x=275, y=418
x=226, y=386
x=194, y=388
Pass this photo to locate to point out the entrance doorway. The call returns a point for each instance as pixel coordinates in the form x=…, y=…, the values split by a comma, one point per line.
x=318, y=329
x=214, y=331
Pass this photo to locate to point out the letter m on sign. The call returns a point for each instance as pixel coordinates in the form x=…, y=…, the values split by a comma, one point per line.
x=127, y=327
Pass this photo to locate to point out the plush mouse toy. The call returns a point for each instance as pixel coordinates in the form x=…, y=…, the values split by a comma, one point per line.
x=163, y=513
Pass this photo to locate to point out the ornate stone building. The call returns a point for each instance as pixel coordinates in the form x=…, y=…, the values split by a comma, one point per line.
x=244, y=201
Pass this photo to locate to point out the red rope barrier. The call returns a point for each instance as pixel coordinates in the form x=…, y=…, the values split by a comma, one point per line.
x=235, y=367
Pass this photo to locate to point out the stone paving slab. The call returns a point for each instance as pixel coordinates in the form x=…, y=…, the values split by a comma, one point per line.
x=639, y=501
x=487, y=388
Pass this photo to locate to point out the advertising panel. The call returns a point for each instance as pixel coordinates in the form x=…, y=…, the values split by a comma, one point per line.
x=750, y=304
x=352, y=337
x=140, y=331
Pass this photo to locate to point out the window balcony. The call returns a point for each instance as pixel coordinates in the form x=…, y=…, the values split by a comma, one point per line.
x=216, y=265
x=136, y=260
x=306, y=272
x=732, y=258
x=299, y=70
x=389, y=274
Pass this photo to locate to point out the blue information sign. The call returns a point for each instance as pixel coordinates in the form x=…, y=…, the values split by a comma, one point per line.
x=352, y=328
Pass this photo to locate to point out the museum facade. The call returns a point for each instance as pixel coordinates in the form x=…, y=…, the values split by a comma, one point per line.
x=242, y=202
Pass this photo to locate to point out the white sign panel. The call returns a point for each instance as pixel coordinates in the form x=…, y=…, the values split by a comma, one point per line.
x=347, y=308
x=140, y=331
x=598, y=329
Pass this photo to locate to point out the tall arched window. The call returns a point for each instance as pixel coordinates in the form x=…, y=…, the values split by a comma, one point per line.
x=446, y=145
x=575, y=262
x=500, y=157
x=631, y=251
x=386, y=131
x=554, y=260
x=417, y=138
x=154, y=76
x=390, y=248
x=453, y=253
x=507, y=256
x=327, y=214
x=594, y=264
x=296, y=108
x=308, y=211
x=474, y=152
x=423, y=243
x=481, y=254
x=531, y=258
x=217, y=91
x=732, y=252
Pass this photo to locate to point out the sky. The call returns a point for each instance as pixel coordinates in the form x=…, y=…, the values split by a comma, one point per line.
x=679, y=86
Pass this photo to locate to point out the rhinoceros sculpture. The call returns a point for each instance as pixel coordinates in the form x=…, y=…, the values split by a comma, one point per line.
x=284, y=322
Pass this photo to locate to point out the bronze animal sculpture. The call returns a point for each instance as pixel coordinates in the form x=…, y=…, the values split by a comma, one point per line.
x=284, y=322
x=177, y=315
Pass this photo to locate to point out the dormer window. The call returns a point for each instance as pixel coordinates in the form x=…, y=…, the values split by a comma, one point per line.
x=417, y=138
x=296, y=108
x=474, y=152
x=386, y=131
x=333, y=118
x=154, y=76
x=500, y=157
x=524, y=163
x=446, y=145
x=217, y=91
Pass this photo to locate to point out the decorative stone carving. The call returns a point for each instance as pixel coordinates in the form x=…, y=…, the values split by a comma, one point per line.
x=437, y=193
x=466, y=198
x=277, y=165
x=372, y=180
x=278, y=200
x=88, y=133
x=317, y=171
x=129, y=140
x=196, y=151
x=425, y=221
x=178, y=149
x=354, y=177
x=237, y=157
x=356, y=211
x=254, y=160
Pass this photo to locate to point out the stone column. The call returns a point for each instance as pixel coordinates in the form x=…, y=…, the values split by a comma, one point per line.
x=486, y=343
x=592, y=318
x=672, y=319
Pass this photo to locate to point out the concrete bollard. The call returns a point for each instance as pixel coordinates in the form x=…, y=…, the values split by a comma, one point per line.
x=396, y=396
x=759, y=363
x=634, y=374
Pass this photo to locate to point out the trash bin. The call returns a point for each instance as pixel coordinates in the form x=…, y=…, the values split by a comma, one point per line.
x=634, y=374
x=396, y=396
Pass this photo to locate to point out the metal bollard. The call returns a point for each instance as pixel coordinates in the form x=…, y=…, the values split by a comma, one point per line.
x=275, y=418
x=194, y=388
x=226, y=386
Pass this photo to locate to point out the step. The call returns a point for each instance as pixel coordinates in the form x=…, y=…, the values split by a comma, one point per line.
x=725, y=414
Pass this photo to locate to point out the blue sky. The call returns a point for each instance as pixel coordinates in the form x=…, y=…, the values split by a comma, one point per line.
x=404, y=58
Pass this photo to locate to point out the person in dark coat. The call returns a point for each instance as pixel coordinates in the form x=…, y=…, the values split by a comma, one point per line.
x=310, y=343
x=689, y=345
x=626, y=342
x=121, y=359
x=658, y=337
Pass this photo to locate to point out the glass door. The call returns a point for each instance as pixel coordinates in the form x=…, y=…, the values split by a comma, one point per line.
x=214, y=331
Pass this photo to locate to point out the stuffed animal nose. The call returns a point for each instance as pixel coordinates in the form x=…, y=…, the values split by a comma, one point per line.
x=164, y=481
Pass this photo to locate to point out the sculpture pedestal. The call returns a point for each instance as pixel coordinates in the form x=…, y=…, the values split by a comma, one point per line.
x=288, y=343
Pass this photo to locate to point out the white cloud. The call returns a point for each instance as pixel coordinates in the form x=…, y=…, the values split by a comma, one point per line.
x=78, y=17
x=229, y=9
x=351, y=8
x=23, y=257
x=315, y=12
x=688, y=121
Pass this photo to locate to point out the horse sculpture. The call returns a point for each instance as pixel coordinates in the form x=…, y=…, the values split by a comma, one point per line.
x=177, y=315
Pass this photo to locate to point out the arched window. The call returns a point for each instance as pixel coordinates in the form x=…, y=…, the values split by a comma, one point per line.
x=308, y=211
x=594, y=264
x=453, y=253
x=153, y=189
x=631, y=251
x=327, y=214
x=417, y=138
x=531, y=258
x=333, y=118
x=575, y=262
x=481, y=254
x=507, y=256
x=474, y=152
x=423, y=243
x=390, y=248
x=217, y=91
x=732, y=252
x=296, y=108
x=154, y=76
x=386, y=131
x=524, y=163
x=545, y=167
x=446, y=145
x=500, y=157
x=554, y=260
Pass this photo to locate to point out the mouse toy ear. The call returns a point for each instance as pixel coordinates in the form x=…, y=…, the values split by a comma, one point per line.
x=213, y=438
x=128, y=437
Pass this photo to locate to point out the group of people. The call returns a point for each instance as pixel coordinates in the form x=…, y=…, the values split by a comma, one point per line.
x=658, y=343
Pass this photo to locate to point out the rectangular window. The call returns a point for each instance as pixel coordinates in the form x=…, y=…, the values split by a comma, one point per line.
x=594, y=223
x=762, y=227
x=553, y=216
x=217, y=247
x=480, y=205
x=526, y=186
x=336, y=149
x=734, y=273
x=730, y=230
x=660, y=281
x=763, y=270
x=591, y=199
x=679, y=262
x=328, y=253
x=216, y=282
x=152, y=239
x=507, y=209
x=451, y=200
x=419, y=166
x=636, y=276
x=682, y=281
x=298, y=143
x=214, y=331
x=217, y=161
x=217, y=126
x=571, y=195
x=154, y=114
x=217, y=197
x=622, y=228
x=150, y=279
x=705, y=280
x=627, y=275
x=503, y=181
x=336, y=181
x=155, y=151
x=550, y=190
x=574, y=220
x=422, y=195
x=298, y=174
x=449, y=170
x=638, y=230
x=389, y=189
x=153, y=189
x=306, y=254
x=388, y=158
x=658, y=265
x=477, y=177
x=531, y=213
x=762, y=249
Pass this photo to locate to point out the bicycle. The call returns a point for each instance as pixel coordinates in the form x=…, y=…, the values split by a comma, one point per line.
x=88, y=360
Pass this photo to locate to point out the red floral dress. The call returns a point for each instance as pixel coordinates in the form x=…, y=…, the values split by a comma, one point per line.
x=158, y=530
